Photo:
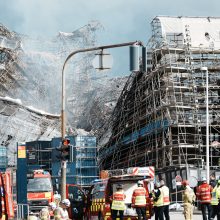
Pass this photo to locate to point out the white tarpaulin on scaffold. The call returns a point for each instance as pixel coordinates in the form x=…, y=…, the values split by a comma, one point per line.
x=203, y=31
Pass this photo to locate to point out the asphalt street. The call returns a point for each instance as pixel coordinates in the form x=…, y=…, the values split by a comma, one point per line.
x=179, y=216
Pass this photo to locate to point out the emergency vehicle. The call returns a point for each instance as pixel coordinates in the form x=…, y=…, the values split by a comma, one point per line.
x=99, y=202
x=6, y=196
x=39, y=189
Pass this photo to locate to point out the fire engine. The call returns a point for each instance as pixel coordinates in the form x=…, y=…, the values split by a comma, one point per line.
x=99, y=203
x=39, y=189
x=6, y=197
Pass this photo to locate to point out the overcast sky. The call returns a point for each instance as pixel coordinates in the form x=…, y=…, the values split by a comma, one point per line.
x=123, y=20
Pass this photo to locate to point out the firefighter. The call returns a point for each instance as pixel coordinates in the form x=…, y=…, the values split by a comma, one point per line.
x=215, y=201
x=158, y=202
x=166, y=199
x=188, y=200
x=118, y=202
x=212, y=180
x=52, y=206
x=44, y=214
x=203, y=193
x=139, y=197
x=61, y=213
x=57, y=198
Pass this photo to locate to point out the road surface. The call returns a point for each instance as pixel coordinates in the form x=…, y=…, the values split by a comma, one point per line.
x=179, y=216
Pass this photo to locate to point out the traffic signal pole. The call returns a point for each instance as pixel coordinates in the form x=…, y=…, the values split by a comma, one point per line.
x=63, y=128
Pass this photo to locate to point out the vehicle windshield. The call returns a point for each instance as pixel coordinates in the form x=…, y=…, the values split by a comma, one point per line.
x=39, y=185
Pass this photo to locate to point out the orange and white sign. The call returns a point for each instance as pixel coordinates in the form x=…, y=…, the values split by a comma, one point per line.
x=142, y=171
x=21, y=152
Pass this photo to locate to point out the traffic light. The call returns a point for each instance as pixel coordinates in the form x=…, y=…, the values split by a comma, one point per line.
x=66, y=150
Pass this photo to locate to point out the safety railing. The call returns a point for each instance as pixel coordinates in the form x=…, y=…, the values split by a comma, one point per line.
x=22, y=211
x=177, y=204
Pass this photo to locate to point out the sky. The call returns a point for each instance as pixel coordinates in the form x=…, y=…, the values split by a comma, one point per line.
x=123, y=20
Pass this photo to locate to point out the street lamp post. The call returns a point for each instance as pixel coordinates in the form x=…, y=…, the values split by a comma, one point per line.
x=205, y=69
x=63, y=128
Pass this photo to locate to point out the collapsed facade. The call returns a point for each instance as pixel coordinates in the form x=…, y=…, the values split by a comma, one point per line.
x=30, y=86
x=160, y=117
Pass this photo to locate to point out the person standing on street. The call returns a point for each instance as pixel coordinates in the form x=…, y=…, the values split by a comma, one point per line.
x=166, y=199
x=203, y=193
x=158, y=202
x=188, y=200
x=139, y=197
x=52, y=206
x=61, y=213
x=215, y=201
x=212, y=180
x=44, y=214
x=118, y=203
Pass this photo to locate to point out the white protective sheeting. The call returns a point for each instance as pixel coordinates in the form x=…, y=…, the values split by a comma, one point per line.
x=197, y=26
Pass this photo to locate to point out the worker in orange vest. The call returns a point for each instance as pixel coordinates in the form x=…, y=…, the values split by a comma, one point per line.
x=139, y=197
x=118, y=203
x=203, y=193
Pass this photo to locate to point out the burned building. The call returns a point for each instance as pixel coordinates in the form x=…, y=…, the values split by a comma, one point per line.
x=160, y=117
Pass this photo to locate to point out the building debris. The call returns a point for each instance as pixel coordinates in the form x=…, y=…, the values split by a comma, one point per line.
x=30, y=71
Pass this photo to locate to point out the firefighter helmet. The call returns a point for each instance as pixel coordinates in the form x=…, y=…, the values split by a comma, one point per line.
x=157, y=184
x=162, y=183
x=52, y=205
x=119, y=186
x=66, y=202
x=185, y=183
x=140, y=183
x=203, y=179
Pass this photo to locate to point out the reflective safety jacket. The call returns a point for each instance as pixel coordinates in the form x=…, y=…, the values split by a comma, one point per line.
x=165, y=194
x=203, y=193
x=158, y=197
x=118, y=202
x=139, y=197
x=215, y=195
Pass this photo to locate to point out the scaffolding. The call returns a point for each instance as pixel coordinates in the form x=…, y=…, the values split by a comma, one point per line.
x=30, y=74
x=160, y=117
x=85, y=160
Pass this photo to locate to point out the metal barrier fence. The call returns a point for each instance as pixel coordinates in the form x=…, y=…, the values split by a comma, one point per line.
x=22, y=211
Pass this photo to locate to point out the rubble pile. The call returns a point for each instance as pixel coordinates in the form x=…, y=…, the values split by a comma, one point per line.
x=30, y=71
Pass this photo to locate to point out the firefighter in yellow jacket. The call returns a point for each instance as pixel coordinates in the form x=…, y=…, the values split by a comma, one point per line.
x=118, y=203
x=215, y=201
x=189, y=198
x=158, y=202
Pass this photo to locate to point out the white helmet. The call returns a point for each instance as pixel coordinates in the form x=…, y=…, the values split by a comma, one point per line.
x=52, y=205
x=203, y=179
x=140, y=182
x=162, y=183
x=66, y=202
x=157, y=184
